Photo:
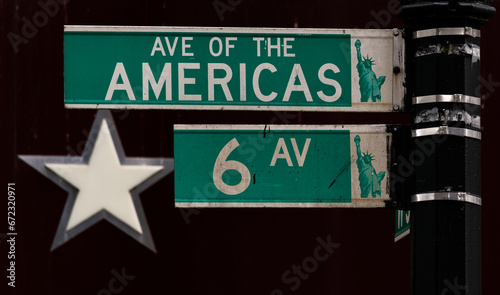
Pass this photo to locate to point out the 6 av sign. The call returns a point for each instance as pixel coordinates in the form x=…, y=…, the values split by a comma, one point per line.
x=281, y=166
x=233, y=68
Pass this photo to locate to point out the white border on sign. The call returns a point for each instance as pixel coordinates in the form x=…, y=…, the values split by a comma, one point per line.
x=393, y=36
x=357, y=203
x=353, y=128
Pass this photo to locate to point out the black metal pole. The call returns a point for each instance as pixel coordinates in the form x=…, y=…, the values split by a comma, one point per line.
x=444, y=80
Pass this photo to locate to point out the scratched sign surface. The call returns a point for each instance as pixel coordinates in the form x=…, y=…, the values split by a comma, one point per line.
x=281, y=166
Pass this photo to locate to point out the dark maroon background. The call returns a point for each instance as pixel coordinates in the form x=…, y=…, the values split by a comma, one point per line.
x=220, y=251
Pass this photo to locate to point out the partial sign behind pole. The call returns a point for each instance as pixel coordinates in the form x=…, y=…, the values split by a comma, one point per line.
x=402, y=224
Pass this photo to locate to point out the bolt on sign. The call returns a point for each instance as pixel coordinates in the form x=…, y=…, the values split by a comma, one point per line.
x=282, y=165
x=233, y=68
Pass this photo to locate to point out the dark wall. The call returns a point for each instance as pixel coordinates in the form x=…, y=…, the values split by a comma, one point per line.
x=215, y=251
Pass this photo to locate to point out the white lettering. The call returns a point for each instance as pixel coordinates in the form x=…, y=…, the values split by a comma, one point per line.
x=113, y=85
x=187, y=81
x=186, y=46
x=285, y=155
x=243, y=82
x=270, y=46
x=328, y=81
x=256, y=87
x=300, y=158
x=165, y=78
x=286, y=47
x=229, y=45
x=221, y=81
x=258, y=44
x=171, y=48
x=211, y=46
x=158, y=47
x=297, y=72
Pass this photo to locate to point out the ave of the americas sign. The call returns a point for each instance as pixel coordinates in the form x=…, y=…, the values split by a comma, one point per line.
x=281, y=166
x=233, y=68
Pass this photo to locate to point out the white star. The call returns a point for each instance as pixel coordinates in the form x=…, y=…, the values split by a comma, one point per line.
x=104, y=184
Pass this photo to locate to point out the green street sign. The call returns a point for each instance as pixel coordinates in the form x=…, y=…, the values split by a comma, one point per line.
x=402, y=224
x=281, y=165
x=233, y=68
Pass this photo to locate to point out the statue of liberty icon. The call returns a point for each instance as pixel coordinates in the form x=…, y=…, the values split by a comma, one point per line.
x=369, y=84
x=369, y=180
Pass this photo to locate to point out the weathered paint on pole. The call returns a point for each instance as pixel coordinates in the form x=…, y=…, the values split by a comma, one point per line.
x=446, y=201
